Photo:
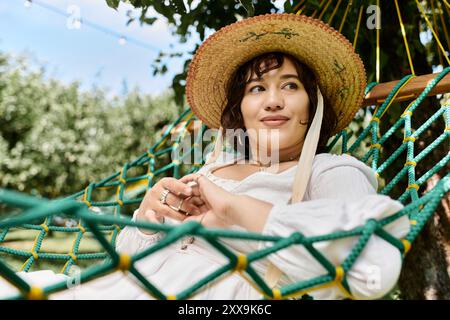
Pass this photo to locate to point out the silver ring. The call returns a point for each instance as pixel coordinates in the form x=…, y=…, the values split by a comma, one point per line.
x=178, y=209
x=163, y=196
x=179, y=206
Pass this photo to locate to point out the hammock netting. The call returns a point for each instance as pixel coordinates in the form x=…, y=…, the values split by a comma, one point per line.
x=103, y=208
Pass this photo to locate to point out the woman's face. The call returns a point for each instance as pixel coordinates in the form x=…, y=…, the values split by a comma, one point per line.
x=279, y=94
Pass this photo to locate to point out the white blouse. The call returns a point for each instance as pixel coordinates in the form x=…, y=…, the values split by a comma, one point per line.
x=341, y=195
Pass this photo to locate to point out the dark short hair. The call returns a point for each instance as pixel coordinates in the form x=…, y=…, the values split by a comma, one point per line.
x=232, y=116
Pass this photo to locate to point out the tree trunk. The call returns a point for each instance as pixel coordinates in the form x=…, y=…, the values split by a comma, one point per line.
x=426, y=267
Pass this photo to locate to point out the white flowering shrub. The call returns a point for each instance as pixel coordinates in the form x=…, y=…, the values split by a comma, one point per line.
x=56, y=138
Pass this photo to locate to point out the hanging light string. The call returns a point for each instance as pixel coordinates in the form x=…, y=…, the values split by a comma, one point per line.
x=122, y=39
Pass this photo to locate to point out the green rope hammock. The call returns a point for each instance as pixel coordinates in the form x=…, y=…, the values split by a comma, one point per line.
x=39, y=215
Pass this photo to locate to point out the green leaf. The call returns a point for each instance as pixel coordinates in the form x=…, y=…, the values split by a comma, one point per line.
x=149, y=21
x=113, y=3
x=288, y=6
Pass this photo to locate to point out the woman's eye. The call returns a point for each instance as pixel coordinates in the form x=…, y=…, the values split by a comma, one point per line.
x=256, y=89
x=291, y=85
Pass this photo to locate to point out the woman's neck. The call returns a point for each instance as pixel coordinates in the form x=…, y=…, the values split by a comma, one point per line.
x=264, y=158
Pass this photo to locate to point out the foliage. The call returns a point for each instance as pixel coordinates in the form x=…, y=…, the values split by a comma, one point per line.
x=187, y=17
x=55, y=138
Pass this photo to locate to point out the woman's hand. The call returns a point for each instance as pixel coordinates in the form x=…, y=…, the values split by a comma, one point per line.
x=214, y=197
x=151, y=208
x=216, y=202
x=222, y=208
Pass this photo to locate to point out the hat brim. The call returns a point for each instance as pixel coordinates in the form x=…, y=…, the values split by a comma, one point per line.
x=338, y=68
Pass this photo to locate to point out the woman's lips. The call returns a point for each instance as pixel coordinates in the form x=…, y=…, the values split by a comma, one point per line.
x=274, y=121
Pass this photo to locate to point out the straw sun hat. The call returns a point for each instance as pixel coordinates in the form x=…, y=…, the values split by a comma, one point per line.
x=338, y=69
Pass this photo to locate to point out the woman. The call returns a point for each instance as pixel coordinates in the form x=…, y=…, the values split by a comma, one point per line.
x=265, y=75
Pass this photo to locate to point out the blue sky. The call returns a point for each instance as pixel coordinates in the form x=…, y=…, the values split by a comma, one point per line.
x=85, y=54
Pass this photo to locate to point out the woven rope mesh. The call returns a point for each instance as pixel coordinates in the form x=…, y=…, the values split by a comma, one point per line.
x=93, y=217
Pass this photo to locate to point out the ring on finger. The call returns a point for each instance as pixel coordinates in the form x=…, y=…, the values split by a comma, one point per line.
x=163, y=196
x=179, y=205
x=178, y=208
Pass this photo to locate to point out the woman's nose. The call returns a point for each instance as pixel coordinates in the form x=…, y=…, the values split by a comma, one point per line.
x=275, y=101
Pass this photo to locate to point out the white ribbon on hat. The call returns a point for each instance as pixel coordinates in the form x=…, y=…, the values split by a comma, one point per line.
x=309, y=149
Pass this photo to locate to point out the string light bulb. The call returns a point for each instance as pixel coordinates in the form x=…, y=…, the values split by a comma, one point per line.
x=122, y=40
x=74, y=21
x=77, y=24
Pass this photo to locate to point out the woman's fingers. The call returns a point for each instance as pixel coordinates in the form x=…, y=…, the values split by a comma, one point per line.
x=176, y=187
x=192, y=204
x=183, y=204
x=190, y=177
x=197, y=201
x=191, y=181
x=167, y=211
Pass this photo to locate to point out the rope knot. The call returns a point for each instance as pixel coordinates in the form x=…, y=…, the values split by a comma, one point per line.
x=241, y=263
x=406, y=246
x=371, y=224
x=410, y=163
x=410, y=138
x=85, y=197
x=375, y=145
x=339, y=274
x=35, y=293
x=297, y=237
x=35, y=255
x=82, y=229
x=124, y=262
x=45, y=227
x=407, y=113
x=276, y=294
x=413, y=185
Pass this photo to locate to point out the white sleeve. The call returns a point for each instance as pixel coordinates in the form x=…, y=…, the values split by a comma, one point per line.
x=131, y=240
x=342, y=198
